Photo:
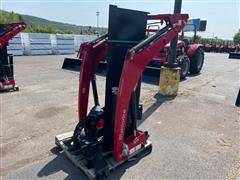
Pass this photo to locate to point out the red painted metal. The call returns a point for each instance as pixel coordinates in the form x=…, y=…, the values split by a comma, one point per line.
x=100, y=124
x=134, y=64
x=11, y=30
x=7, y=84
x=166, y=17
x=135, y=141
x=192, y=49
x=151, y=30
x=179, y=44
x=91, y=54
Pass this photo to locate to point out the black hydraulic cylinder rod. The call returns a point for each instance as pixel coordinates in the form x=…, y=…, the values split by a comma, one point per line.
x=173, y=53
x=133, y=111
x=150, y=39
x=94, y=89
x=134, y=107
x=138, y=90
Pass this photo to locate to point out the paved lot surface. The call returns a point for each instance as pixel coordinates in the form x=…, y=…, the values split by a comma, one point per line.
x=194, y=136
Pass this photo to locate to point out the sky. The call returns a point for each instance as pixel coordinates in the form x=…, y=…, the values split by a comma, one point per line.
x=222, y=15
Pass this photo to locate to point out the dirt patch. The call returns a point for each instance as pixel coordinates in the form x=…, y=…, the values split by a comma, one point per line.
x=50, y=112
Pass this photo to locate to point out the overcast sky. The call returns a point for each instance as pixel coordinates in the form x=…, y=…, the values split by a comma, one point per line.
x=222, y=15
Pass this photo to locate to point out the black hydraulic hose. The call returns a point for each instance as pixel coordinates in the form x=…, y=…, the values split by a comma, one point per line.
x=93, y=41
x=100, y=38
x=150, y=39
x=94, y=89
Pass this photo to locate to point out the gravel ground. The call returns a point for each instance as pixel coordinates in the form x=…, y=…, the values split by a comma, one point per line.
x=194, y=136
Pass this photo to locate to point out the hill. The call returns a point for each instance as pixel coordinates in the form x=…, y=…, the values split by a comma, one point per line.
x=33, y=21
x=37, y=24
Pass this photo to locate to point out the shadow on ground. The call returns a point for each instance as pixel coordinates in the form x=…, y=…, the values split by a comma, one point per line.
x=61, y=163
x=159, y=100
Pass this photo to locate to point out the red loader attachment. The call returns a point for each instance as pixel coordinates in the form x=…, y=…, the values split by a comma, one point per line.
x=7, y=32
x=107, y=135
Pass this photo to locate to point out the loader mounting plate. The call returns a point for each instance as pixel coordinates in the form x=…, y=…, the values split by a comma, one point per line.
x=63, y=141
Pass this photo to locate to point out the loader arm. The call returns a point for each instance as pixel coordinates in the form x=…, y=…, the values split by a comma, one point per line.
x=137, y=58
x=91, y=54
x=9, y=31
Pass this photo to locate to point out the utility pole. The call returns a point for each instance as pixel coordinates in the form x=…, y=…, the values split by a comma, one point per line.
x=97, y=14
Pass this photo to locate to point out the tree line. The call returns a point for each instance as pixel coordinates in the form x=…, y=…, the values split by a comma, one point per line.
x=214, y=41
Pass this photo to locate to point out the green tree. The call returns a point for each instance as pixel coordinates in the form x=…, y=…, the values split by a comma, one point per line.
x=11, y=17
x=2, y=18
x=236, y=38
x=8, y=17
